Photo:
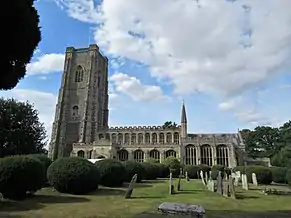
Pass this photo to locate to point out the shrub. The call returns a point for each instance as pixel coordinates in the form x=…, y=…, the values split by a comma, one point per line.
x=45, y=160
x=192, y=171
x=215, y=170
x=131, y=168
x=264, y=174
x=279, y=174
x=288, y=176
x=73, y=175
x=19, y=175
x=174, y=165
x=152, y=171
x=152, y=160
x=112, y=172
x=164, y=170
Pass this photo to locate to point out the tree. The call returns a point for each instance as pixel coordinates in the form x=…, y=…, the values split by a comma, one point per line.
x=20, y=129
x=169, y=125
x=21, y=36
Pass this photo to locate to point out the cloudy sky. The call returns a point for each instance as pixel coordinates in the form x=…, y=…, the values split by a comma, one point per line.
x=228, y=59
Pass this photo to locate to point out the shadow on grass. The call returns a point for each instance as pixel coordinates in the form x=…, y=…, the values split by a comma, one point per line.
x=248, y=214
x=108, y=191
x=36, y=202
x=152, y=181
x=147, y=197
x=241, y=196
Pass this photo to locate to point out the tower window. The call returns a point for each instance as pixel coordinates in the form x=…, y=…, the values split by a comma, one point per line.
x=79, y=74
x=75, y=111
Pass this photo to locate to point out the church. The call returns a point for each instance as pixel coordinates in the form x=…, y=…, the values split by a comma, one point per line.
x=80, y=126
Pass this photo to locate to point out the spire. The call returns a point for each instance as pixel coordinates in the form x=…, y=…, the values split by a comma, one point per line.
x=183, y=115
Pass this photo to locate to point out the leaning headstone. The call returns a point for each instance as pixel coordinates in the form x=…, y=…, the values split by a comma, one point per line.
x=254, y=179
x=171, y=184
x=130, y=187
x=231, y=188
x=179, y=182
x=187, y=177
x=219, y=183
x=206, y=178
x=181, y=210
x=225, y=186
x=202, y=177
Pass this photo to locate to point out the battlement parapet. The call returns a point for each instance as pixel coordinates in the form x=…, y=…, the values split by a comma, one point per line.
x=150, y=128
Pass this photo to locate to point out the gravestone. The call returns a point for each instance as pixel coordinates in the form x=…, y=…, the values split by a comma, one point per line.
x=198, y=175
x=206, y=178
x=219, y=183
x=254, y=179
x=236, y=179
x=244, y=180
x=231, y=188
x=210, y=185
x=187, y=177
x=179, y=182
x=181, y=210
x=171, y=184
x=202, y=177
x=130, y=187
x=225, y=186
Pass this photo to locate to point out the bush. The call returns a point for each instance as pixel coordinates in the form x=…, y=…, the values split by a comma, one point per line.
x=279, y=174
x=20, y=175
x=152, y=160
x=174, y=165
x=264, y=174
x=288, y=176
x=112, y=172
x=192, y=171
x=73, y=175
x=215, y=170
x=131, y=168
x=164, y=170
x=152, y=171
x=45, y=160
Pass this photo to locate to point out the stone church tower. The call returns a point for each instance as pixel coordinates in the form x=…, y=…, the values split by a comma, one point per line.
x=82, y=106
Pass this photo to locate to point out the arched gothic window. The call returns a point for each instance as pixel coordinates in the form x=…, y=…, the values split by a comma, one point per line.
x=155, y=154
x=138, y=155
x=171, y=153
x=206, y=155
x=123, y=155
x=190, y=151
x=75, y=111
x=222, y=155
x=79, y=74
x=81, y=154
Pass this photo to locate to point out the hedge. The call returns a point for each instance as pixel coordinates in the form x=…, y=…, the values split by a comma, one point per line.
x=288, y=176
x=73, y=175
x=279, y=174
x=152, y=171
x=263, y=174
x=164, y=170
x=131, y=168
x=112, y=172
x=20, y=175
x=45, y=160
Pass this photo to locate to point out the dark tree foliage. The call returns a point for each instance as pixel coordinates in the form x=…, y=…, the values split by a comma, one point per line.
x=20, y=129
x=21, y=35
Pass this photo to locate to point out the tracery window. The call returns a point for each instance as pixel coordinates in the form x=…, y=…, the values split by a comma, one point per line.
x=190, y=153
x=206, y=155
x=222, y=155
x=79, y=74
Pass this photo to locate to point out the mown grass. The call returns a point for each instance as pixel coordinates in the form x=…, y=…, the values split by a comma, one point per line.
x=110, y=203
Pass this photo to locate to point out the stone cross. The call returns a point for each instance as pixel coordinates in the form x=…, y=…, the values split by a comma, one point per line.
x=254, y=179
x=219, y=183
x=171, y=184
x=130, y=187
x=231, y=188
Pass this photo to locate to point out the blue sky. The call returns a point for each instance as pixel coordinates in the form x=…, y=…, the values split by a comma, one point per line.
x=162, y=52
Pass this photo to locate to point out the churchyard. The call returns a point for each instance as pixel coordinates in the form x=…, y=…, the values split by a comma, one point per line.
x=145, y=199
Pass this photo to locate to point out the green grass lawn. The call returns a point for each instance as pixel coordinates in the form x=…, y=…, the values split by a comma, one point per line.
x=110, y=203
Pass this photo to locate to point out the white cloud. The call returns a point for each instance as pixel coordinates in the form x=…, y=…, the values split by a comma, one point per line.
x=45, y=64
x=230, y=103
x=133, y=87
x=44, y=102
x=195, y=47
